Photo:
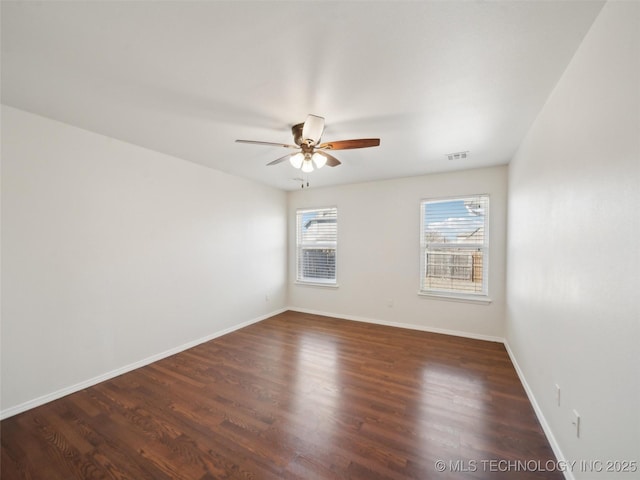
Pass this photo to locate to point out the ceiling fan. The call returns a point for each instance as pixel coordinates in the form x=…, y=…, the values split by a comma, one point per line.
x=311, y=152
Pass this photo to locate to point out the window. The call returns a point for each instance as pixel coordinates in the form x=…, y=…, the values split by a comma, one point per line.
x=316, y=242
x=454, y=246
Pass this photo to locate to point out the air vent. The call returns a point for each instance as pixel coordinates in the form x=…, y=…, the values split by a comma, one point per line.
x=458, y=155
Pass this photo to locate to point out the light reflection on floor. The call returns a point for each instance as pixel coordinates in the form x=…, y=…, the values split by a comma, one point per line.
x=452, y=400
x=316, y=387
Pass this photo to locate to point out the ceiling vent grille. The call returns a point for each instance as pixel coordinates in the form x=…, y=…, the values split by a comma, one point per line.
x=458, y=155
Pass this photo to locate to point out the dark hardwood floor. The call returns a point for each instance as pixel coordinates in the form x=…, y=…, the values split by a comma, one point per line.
x=295, y=396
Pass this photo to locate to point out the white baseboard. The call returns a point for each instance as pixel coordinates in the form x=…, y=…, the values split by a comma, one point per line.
x=36, y=402
x=410, y=326
x=568, y=475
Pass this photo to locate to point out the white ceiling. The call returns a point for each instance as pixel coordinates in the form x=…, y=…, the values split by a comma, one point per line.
x=188, y=78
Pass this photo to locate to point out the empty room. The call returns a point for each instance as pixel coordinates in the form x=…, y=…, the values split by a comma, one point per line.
x=320, y=240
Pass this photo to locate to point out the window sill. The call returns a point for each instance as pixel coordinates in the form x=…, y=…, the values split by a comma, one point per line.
x=316, y=284
x=449, y=297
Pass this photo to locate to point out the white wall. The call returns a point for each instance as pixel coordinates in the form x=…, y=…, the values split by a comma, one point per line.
x=378, y=253
x=113, y=254
x=573, y=315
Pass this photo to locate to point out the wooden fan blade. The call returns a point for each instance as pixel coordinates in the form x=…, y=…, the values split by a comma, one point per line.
x=281, y=159
x=347, y=144
x=254, y=142
x=331, y=160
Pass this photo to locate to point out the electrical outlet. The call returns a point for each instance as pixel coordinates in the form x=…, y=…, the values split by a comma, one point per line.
x=576, y=422
x=266, y=298
x=557, y=394
x=390, y=303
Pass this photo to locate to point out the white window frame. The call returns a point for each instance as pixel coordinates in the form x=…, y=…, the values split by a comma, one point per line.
x=481, y=296
x=327, y=245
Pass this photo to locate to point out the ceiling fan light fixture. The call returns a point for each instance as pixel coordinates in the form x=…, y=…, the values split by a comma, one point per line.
x=319, y=160
x=307, y=166
x=296, y=160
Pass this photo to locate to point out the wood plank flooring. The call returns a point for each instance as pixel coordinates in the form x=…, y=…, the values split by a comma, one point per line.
x=296, y=396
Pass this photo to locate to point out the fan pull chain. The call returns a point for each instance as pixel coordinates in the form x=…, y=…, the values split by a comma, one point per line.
x=304, y=180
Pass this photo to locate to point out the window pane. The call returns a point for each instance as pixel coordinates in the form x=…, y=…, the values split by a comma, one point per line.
x=318, y=263
x=454, y=245
x=317, y=234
